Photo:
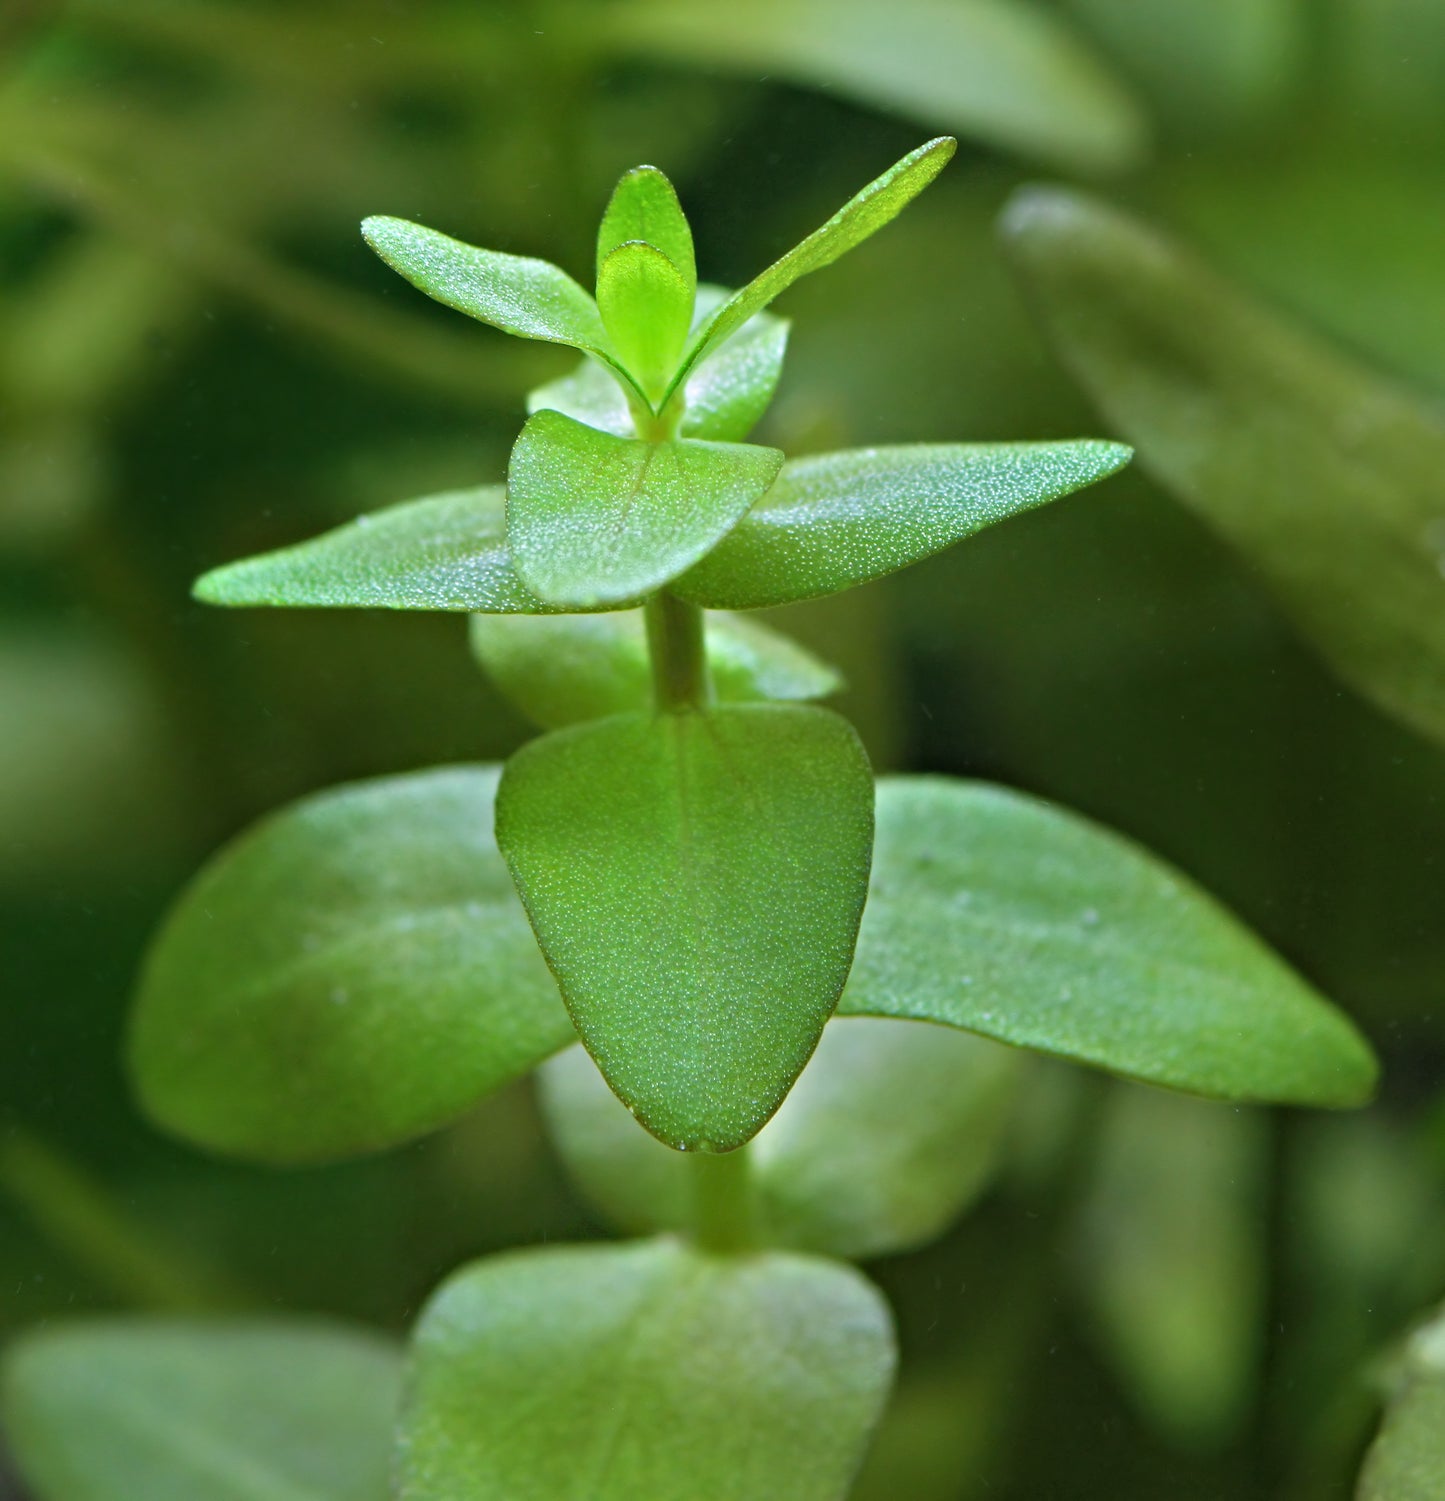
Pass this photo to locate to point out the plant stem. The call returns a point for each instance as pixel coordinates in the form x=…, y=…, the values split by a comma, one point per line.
x=722, y=1201
x=676, y=642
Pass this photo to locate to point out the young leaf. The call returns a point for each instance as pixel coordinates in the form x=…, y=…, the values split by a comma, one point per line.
x=351, y=973
x=890, y=1132
x=646, y=305
x=644, y=207
x=595, y=520
x=559, y=669
x=644, y=1371
x=1006, y=916
x=1324, y=475
x=1407, y=1459
x=446, y=552
x=839, y=519
x=202, y=1410
x=695, y=881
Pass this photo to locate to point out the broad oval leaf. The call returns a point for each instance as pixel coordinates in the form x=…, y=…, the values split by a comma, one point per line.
x=644, y=207
x=891, y=1131
x=1006, y=916
x=644, y=1372
x=354, y=971
x=202, y=1410
x=695, y=881
x=646, y=304
x=1407, y=1460
x=594, y=519
x=559, y=669
x=835, y=520
x=1324, y=475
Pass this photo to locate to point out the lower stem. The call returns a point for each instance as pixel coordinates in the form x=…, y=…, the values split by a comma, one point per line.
x=722, y=1200
x=675, y=641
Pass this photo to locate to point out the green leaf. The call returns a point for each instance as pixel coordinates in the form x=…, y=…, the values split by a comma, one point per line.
x=892, y=1129
x=644, y=207
x=1006, y=916
x=695, y=881
x=1407, y=1459
x=839, y=519
x=646, y=304
x=1007, y=73
x=863, y=215
x=559, y=669
x=353, y=972
x=725, y=395
x=1325, y=476
x=595, y=519
x=202, y=1410
x=445, y=552
x=646, y=1372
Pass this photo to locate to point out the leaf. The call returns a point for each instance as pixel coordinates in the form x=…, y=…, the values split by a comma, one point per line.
x=840, y=519
x=354, y=971
x=999, y=71
x=1325, y=476
x=647, y=307
x=444, y=552
x=1407, y=1459
x=644, y=1372
x=725, y=395
x=1005, y=916
x=644, y=207
x=559, y=669
x=202, y=1410
x=596, y=520
x=695, y=881
x=892, y=1129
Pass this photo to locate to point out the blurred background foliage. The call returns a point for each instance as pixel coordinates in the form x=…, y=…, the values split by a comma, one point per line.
x=199, y=359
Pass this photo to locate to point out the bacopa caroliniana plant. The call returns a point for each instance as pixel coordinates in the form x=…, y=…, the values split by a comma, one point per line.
x=707, y=874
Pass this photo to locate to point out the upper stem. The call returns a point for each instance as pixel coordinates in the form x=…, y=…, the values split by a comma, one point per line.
x=676, y=641
x=722, y=1201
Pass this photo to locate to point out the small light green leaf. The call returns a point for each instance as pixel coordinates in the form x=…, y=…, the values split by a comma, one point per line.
x=1407, y=1460
x=726, y=394
x=839, y=519
x=644, y=207
x=892, y=1129
x=696, y=882
x=1005, y=916
x=559, y=669
x=1325, y=476
x=646, y=304
x=446, y=552
x=202, y=1410
x=353, y=972
x=595, y=519
x=645, y=1372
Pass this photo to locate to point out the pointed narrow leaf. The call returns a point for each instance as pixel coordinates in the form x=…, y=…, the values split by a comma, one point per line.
x=559, y=669
x=696, y=882
x=354, y=971
x=839, y=519
x=1324, y=475
x=595, y=520
x=646, y=1372
x=644, y=207
x=1003, y=915
x=646, y=304
x=863, y=215
x=1407, y=1460
x=202, y=1410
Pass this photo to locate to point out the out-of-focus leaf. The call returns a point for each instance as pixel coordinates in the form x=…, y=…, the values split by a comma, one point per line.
x=1005, y=916
x=696, y=882
x=644, y=1371
x=1001, y=71
x=202, y=1410
x=644, y=207
x=890, y=1132
x=594, y=519
x=839, y=519
x=1407, y=1461
x=646, y=304
x=559, y=669
x=353, y=972
x=1325, y=476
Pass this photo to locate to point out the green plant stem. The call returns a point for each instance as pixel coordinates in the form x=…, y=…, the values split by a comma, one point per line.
x=722, y=1201
x=676, y=640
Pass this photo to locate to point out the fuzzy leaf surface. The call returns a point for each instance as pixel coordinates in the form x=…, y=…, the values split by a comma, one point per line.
x=1407, y=1459
x=695, y=881
x=644, y=207
x=644, y=1371
x=1006, y=916
x=354, y=971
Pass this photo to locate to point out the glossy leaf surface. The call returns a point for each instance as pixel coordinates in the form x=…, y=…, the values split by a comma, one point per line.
x=354, y=971
x=839, y=519
x=644, y=1371
x=644, y=207
x=646, y=304
x=559, y=669
x=892, y=1129
x=1325, y=476
x=594, y=519
x=696, y=882
x=202, y=1410
x=1006, y=916
x=1407, y=1459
